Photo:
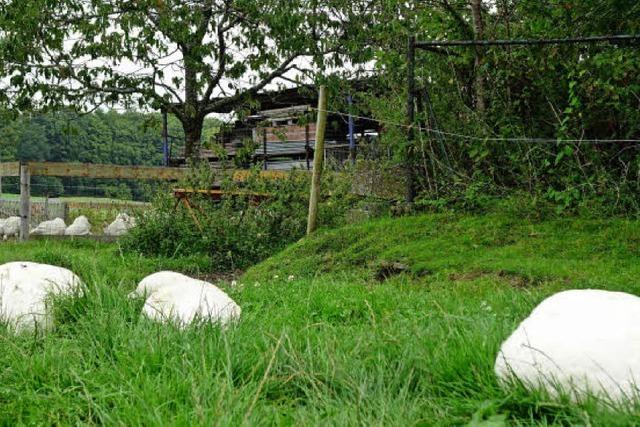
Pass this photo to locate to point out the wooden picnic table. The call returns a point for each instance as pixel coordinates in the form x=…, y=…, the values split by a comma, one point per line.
x=183, y=195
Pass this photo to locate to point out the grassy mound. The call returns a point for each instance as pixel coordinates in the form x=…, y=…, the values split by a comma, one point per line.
x=430, y=248
x=393, y=322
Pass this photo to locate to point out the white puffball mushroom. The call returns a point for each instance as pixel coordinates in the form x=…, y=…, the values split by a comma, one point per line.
x=24, y=291
x=174, y=297
x=578, y=341
x=55, y=227
x=120, y=226
x=11, y=226
x=79, y=227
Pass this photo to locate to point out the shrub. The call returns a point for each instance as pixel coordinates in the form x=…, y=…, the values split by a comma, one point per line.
x=46, y=186
x=251, y=222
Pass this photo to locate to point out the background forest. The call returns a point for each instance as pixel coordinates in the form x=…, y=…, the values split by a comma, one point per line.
x=108, y=137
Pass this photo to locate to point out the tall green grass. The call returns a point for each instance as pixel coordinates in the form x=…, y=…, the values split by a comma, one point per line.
x=321, y=340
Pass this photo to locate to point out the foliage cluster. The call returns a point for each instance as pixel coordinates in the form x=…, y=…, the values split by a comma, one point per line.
x=253, y=219
x=188, y=58
x=541, y=105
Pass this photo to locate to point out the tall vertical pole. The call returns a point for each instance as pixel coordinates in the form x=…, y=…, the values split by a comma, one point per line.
x=411, y=89
x=264, y=147
x=352, y=140
x=165, y=138
x=318, y=155
x=307, y=147
x=25, y=201
x=46, y=207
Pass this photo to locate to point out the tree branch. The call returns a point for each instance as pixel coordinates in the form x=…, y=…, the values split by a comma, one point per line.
x=243, y=96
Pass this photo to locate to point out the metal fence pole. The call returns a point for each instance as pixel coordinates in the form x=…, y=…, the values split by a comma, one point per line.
x=352, y=140
x=411, y=64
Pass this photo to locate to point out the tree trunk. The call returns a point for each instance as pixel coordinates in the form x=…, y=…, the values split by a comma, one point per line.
x=478, y=28
x=193, y=119
x=192, y=134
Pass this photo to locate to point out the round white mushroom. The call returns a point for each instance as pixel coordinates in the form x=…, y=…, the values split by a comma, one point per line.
x=577, y=342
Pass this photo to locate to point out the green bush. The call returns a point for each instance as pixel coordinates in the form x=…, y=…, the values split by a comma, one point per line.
x=120, y=191
x=237, y=231
x=46, y=186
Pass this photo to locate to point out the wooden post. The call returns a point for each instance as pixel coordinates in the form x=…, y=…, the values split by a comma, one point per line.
x=264, y=147
x=46, y=207
x=25, y=201
x=0, y=185
x=317, y=161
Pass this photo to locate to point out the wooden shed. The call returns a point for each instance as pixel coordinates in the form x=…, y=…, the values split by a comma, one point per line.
x=280, y=133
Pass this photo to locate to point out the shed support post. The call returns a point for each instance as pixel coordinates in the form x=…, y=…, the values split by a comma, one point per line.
x=25, y=201
x=264, y=147
x=307, y=147
x=165, y=138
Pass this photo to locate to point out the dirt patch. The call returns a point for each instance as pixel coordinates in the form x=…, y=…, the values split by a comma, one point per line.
x=511, y=278
x=467, y=276
x=385, y=269
x=518, y=280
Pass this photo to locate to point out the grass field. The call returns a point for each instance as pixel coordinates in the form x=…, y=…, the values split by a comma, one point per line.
x=329, y=335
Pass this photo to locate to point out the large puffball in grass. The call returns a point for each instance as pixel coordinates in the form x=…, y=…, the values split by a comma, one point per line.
x=79, y=227
x=121, y=226
x=55, y=227
x=25, y=288
x=174, y=297
x=11, y=226
x=577, y=342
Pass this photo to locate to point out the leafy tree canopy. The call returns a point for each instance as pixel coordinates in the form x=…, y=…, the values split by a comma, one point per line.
x=188, y=57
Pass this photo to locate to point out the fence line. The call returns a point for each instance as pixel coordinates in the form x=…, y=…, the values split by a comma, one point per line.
x=40, y=210
x=479, y=138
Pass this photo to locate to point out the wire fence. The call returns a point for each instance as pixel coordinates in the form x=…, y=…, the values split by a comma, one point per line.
x=100, y=211
x=523, y=139
x=40, y=210
x=53, y=187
